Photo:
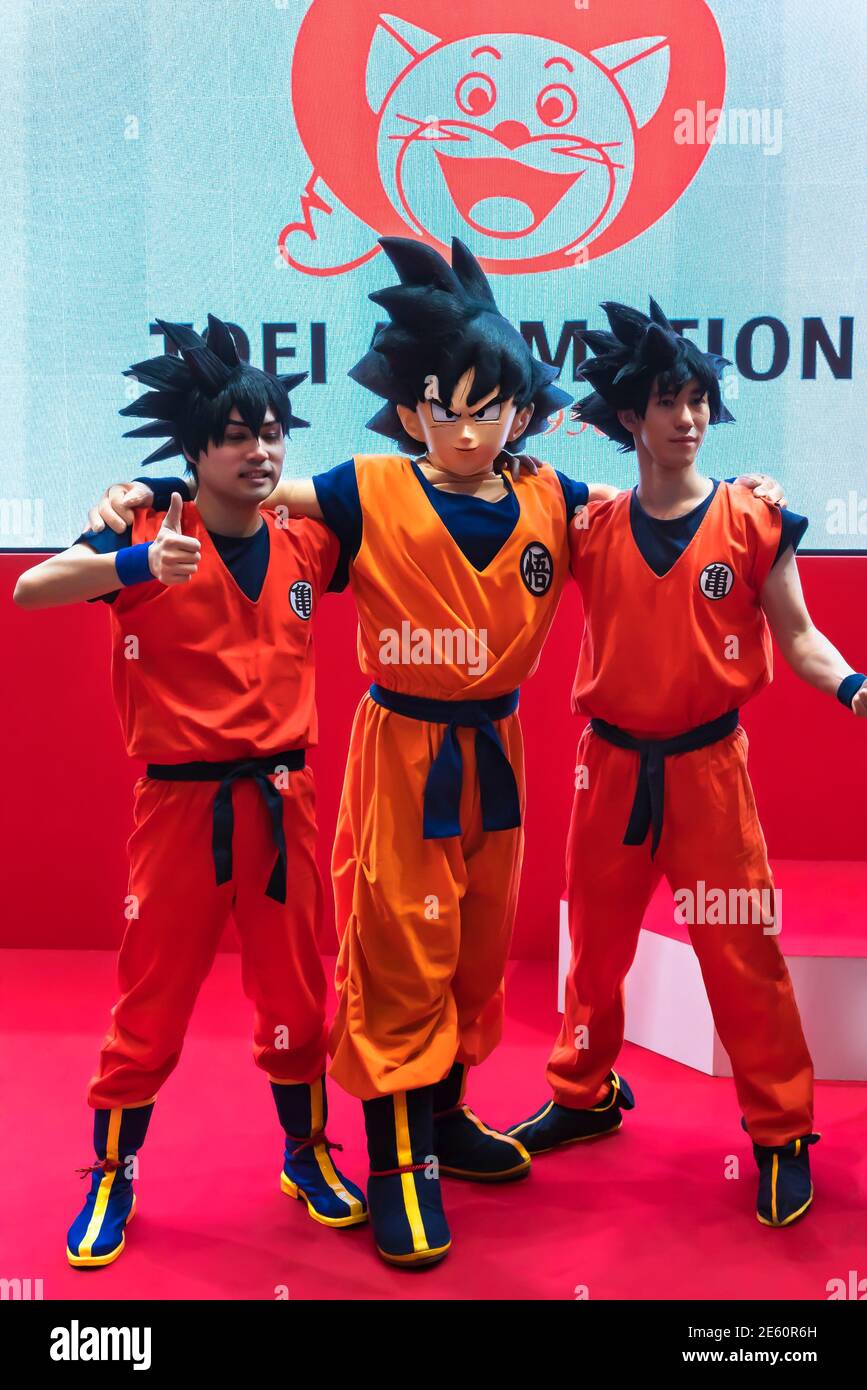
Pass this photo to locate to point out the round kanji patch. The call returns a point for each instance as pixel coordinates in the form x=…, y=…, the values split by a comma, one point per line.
x=301, y=598
x=537, y=568
x=716, y=580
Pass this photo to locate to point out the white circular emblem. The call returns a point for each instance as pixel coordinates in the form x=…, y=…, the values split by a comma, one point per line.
x=537, y=568
x=716, y=580
x=301, y=598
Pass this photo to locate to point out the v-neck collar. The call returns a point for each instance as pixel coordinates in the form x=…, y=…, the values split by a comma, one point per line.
x=430, y=488
x=635, y=506
x=208, y=541
x=432, y=493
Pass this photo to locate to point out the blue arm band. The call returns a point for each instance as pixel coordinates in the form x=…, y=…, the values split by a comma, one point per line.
x=849, y=687
x=162, y=489
x=131, y=564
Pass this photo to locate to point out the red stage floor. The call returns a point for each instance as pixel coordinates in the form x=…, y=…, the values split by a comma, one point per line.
x=648, y=1213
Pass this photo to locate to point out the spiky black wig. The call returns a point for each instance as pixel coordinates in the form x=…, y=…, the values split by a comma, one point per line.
x=628, y=361
x=444, y=320
x=193, y=394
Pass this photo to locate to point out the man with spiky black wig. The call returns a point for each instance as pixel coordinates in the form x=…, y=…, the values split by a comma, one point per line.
x=456, y=567
x=444, y=323
x=211, y=608
x=683, y=580
x=639, y=355
x=458, y=557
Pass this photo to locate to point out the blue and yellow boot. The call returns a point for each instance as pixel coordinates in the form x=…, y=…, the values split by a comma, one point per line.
x=464, y=1146
x=406, y=1209
x=308, y=1172
x=96, y=1236
x=555, y=1125
x=785, y=1185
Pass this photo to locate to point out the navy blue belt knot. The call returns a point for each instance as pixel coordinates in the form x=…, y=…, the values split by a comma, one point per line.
x=224, y=815
x=648, y=808
x=498, y=790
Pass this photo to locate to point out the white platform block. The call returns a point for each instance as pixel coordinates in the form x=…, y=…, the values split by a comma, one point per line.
x=667, y=1009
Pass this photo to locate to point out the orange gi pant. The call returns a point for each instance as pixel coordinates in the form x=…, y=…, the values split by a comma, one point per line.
x=169, y=946
x=424, y=925
x=711, y=832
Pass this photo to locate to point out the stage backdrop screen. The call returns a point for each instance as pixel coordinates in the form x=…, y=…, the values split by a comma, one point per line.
x=166, y=158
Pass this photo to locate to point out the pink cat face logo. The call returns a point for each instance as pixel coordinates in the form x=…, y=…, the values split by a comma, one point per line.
x=530, y=142
x=534, y=148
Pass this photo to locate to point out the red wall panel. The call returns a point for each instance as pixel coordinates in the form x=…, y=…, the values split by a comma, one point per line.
x=65, y=803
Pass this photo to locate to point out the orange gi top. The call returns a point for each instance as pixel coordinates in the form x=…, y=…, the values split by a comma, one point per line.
x=662, y=654
x=201, y=672
x=430, y=623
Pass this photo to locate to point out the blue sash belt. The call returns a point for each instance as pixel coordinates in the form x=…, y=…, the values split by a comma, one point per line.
x=649, y=804
x=223, y=825
x=498, y=790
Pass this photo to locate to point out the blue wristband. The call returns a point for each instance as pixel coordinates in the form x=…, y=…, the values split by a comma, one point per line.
x=132, y=565
x=849, y=687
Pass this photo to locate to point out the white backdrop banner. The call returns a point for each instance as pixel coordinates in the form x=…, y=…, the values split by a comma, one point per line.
x=170, y=157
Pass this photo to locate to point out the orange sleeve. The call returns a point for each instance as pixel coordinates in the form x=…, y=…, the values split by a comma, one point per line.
x=585, y=533
x=764, y=525
x=321, y=549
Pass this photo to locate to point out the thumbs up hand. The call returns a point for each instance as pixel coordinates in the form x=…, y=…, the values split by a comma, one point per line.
x=173, y=558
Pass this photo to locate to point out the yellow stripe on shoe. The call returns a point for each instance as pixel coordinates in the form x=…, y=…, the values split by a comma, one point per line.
x=496, y=1134
x=789, y=1219
x=407, y=1180
x=516, y=1129
x=355, y=1218
x=355, y=1211
x=793, y=1216
x=96, y=1261
x=615, y=1087
x=579, y=1139
x=112, y=1145
x=498, y=1175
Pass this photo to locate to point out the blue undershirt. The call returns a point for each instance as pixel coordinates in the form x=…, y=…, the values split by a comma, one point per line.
x=480, y=528
x=245, y=557
x=662, y=542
